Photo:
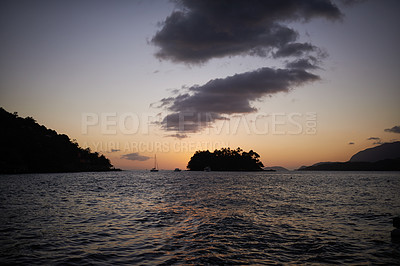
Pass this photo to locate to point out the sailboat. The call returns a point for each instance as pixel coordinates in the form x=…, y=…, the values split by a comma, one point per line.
x=155, y=168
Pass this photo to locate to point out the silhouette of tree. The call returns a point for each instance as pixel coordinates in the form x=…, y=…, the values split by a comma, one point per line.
x=28, y=147
x=225, y=159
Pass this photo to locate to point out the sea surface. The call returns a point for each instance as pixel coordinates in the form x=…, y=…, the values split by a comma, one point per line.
x=199, y=218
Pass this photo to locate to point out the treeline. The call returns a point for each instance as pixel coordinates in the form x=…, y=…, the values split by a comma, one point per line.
x=27, y=147
x=225, y=160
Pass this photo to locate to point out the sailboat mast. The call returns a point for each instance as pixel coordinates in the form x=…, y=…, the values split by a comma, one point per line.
x=155, y=168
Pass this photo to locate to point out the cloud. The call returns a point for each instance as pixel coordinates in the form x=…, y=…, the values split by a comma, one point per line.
x=310, y=63
x=294, y=49
x=113, y=150
x=135, y=157
x=198, y=31
x=189, y=121
x=351, y=143
x=178, y=136
x=352, y=2
x=202, y=105
x=376, y=140
x=201, y=30
x=395, y=129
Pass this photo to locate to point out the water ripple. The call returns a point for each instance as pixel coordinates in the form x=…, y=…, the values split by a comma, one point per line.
x=200, y=218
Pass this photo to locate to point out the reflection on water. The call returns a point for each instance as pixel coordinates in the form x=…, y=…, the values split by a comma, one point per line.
x=198, y=218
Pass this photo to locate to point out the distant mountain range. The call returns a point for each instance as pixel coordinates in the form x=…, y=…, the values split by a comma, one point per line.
x=385, y=157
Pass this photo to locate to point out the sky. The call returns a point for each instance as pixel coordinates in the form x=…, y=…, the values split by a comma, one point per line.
x=299, y=82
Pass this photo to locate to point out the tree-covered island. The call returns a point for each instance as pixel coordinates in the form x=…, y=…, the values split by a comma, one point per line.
x=225, y=159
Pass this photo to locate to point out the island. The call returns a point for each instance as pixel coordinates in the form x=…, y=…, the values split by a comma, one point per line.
x=28, y=147
x=225, y=159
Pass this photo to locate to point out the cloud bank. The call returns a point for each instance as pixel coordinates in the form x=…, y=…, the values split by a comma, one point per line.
x=395, y=129
x=376, y=140
x=198, y=31
x=202, y=30
x=202, y=105
x=135, y=157
x=178, y=136
x=304, y=63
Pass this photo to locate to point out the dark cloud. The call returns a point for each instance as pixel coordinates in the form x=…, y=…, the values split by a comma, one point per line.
x=114, y=150
x=295, y=49
x=352, y=2
x=178, y=136
x=395, y=129
x=198, y=31
x=351, y=143
x=189, y=121
x=310, y=63
x=135, y=157
x=202, y=30
x=202, y=105
x=376, y=140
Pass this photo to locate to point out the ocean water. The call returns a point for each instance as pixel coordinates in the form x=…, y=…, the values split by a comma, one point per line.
x=197, y=218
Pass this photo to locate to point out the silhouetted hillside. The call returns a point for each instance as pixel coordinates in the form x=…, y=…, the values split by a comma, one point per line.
x=27, y=147
x=385, y=157
x=378, y=153
x=225, y=160
x=383, y=165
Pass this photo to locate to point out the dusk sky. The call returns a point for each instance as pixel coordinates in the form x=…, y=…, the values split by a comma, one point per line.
x=299, y=82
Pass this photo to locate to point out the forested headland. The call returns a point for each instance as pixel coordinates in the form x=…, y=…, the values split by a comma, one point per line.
x=27, y=147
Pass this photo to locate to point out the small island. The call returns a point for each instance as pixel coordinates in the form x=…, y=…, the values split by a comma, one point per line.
x=28, y=147
x=225, y=159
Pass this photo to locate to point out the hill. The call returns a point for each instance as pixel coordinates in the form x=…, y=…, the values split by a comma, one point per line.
x=383, y=165
x=28, y=147
x=382, y=152
x=385, y=157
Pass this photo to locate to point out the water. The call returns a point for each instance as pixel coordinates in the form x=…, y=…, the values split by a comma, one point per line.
x=138, y=217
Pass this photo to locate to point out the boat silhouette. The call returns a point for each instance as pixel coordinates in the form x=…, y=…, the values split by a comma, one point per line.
x=155, y=168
